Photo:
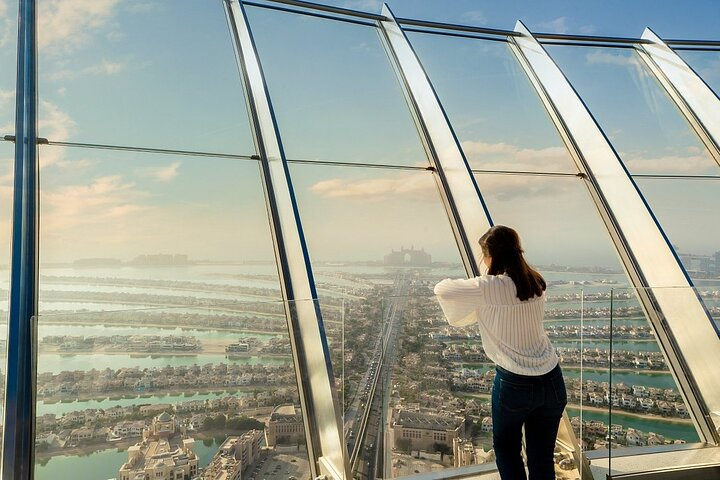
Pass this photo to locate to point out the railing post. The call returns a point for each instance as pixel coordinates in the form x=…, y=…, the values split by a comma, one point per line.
x=19, y=415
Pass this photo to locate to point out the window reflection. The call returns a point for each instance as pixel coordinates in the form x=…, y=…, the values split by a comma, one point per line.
x=706, y=64
x=8, y=59
x=161, y=328
x=492, y=106
x=380, y=240
x=645, y=127
x=334, y=92
x=684, y=208
x=155, y=74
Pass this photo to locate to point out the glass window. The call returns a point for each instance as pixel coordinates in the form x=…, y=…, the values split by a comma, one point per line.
x=651, y=137
x=8, y=62
x=645, y=127
x=334, y=92
x=160, y=311
x=494, y=110
x=150, y=74
x=566, y=241
x=7, y=162
x=684, y=208
x=706, y=64
x=8, y=70
x=379, y=240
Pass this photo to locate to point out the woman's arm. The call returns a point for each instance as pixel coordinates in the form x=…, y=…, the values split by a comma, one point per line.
x=459, y=300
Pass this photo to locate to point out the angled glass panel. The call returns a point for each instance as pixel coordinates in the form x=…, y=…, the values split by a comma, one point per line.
x=661, y=418
x=334, y=92
x=8, y=73
x=632, y=108
x=8, y=65
x=566, y=240
x=684, y=208
x=494, y=110
x=7, y=177
x=159, y=75
x=379, y=240
x=160, y=315
x=706, y=64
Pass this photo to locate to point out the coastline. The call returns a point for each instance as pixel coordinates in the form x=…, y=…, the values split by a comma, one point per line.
x=673, y=420
x=45, y=321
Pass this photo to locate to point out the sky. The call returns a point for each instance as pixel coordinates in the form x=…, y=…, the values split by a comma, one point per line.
x=160, y=74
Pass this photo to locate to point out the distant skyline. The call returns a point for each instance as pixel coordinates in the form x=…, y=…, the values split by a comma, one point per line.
x=143, y=73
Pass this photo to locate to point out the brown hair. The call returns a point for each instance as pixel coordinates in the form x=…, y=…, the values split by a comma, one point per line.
x=503, y=245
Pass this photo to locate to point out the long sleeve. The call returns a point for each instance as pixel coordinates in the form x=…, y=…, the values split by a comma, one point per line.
x=459, y=300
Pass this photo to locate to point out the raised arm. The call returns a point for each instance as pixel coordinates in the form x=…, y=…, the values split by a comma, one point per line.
x=459, y=300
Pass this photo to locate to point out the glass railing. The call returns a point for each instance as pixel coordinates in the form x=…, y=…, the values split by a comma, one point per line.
x=646, y=412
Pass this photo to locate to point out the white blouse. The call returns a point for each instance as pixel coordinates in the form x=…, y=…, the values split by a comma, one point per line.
x=512, y=330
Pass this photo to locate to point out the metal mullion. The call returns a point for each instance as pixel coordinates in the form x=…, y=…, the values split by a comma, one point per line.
x=308, y=13
x=681, y=323
x=18, y=453
x=695, y=99
x=469, y=218
x=313, y=369
x=327, y=8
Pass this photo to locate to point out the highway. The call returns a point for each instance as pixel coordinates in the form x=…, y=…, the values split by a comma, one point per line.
x=365, y=420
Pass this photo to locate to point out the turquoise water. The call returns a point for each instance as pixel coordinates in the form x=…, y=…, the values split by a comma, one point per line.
x=61, y=408
x=45, y=330
x=605, y=345
x=56, y=363
x=675, y=431
x=658, y=380
x=103, y=465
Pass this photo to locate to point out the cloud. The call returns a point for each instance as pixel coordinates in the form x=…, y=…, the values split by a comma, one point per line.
x=55, y=124
x=667, y=164
x=104, y=68
x=363, y=5
x=557, y=25
x=475, y=16
x=607, y=58
x=8, y=28
x=141, y=6
x=404, y=184
x=64, y=25
x=104, y=199
x=504, y=156
x=160, y=174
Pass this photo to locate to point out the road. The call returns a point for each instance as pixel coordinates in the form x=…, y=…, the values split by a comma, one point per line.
x=366, y=420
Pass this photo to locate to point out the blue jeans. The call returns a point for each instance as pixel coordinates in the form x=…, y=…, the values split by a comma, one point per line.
x=538, y=404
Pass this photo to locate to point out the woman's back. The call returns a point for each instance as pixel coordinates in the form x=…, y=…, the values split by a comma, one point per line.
x=511, y=329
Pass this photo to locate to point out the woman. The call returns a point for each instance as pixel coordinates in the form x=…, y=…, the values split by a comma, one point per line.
x=507, y=303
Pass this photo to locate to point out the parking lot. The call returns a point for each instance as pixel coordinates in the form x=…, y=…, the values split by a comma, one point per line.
x=280, y=465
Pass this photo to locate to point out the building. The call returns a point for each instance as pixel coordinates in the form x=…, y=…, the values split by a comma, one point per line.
x=425, y=430
x=408, y=257
x=156, y=458
x=234, y=456
x=285, y=426
x=463, y=452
